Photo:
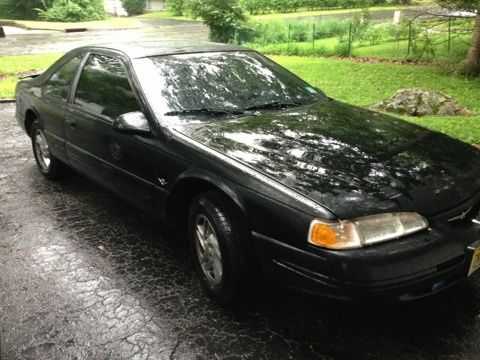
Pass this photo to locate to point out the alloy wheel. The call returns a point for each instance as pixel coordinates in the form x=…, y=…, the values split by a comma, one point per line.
x=208, y=250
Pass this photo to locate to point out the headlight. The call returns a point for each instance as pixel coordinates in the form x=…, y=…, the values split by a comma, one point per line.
x=364, y=231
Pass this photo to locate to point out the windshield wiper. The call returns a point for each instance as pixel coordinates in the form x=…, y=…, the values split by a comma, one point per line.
x=203, y=111
x=273, y=105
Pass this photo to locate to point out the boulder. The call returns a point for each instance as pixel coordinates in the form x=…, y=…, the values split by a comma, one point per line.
x=418, y=102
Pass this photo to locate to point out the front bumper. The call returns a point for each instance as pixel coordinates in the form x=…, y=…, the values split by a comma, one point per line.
x=406, y=269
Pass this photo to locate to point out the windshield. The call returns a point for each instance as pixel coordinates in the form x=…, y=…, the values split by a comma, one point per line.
x=221, y=82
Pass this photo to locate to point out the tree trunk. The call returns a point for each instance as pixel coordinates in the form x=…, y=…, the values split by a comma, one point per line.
x=472, y=64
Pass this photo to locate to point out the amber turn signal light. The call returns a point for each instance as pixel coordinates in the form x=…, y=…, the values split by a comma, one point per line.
x=323, y=235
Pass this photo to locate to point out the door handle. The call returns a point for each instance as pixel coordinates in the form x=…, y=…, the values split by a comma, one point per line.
x=71, y=122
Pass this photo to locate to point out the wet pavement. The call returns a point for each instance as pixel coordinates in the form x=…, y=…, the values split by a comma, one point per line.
x=85, y=276
x=41, y=42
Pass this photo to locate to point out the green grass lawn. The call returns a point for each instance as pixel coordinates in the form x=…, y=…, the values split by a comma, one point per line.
x=304, y=13
x=13, y=66
x=365, y=84
x=164, y=15
x=323, y=47
x=361, y=84
x=274, y=16
x=393, y=50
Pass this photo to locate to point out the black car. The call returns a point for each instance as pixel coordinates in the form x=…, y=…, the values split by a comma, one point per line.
x=270, y=176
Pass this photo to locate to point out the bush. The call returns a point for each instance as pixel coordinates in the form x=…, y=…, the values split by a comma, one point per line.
x=330, y=28
x=134, y=7
x=177, y=7
x=276, y=31
x=300, y=31
x=270, y=32
x=73, y=11
x=222, y=17
x=343, y=49
x=24, y=10
x=255, y=7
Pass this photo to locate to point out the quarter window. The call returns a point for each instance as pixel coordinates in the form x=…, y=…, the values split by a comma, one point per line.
x=58, y=86
x=104, y=89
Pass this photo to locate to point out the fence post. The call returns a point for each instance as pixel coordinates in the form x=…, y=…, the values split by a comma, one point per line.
x=409, y=38
x=265, y=35
x=449, y=35
x=350, y=39
x=288, y=38
x=313, y=37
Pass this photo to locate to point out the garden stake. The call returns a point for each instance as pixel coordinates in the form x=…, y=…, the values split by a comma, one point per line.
x=350, y=39
x=449, y=35
x=409, y=38
x=313, y=37
x=288, y=39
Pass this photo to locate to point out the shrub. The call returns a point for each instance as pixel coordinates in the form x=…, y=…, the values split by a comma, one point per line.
x=73, y=10
x=255, y=7
x=343, y=49
x=25, y=9
x=276, y=31
x=222, y=17
x=330, y=28
x=270, y=32
x=300, y=30
x=134, y=7
x=177, y=7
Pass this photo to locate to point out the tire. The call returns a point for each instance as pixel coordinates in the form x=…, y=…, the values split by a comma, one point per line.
x=229, y=285
x=49, y=166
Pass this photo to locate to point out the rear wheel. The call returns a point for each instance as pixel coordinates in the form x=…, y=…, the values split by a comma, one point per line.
x=218, y=239
x=49, y=165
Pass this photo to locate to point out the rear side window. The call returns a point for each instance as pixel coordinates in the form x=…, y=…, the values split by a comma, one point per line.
x=104, y=88
x=58, y=86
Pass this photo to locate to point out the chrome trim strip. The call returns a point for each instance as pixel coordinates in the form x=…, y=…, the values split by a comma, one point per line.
x=461, y=216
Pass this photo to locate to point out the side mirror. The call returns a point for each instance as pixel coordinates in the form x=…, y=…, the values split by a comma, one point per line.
x=132, y=123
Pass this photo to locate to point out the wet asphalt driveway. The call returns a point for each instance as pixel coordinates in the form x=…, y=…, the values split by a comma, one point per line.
x=85, y=276
x=165, y=30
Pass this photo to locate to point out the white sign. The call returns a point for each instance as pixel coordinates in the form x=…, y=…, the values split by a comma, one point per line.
x=396, y=17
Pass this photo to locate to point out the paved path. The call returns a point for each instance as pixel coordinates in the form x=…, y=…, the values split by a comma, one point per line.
x=57, y=41
x=85, y=276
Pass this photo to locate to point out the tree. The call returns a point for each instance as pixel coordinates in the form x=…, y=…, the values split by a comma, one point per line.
x=221, y=16
x=134, y=7
x=472, y=63
x=71, y=10
x=25, y=9
x=177, y=7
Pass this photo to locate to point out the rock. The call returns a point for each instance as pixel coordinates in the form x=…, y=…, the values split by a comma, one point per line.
x=2, y=32
x=418, y=102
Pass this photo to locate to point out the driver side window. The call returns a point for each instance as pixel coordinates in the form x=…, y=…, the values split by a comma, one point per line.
x=104, y=89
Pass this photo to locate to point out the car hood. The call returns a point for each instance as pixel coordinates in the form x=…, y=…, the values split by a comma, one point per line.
x=351, y=160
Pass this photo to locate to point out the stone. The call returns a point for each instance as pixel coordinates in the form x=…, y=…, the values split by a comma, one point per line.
x=418, y=102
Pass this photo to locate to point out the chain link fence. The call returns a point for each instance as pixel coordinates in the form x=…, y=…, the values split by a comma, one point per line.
x=423, y=37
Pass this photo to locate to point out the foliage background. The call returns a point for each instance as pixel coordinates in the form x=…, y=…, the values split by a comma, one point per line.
x=134, y=7
x=52, y=10
x=23, y=9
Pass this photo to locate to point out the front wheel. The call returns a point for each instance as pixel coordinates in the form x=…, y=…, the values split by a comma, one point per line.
x=49, y=166
x=218, y=239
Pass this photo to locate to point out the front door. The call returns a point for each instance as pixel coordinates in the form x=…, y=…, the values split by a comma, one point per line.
x=123, y=163
x=55, y=92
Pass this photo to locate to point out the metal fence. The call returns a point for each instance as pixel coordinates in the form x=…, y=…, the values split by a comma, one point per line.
x=420, y=37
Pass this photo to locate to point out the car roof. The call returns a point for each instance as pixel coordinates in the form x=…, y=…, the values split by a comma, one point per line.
x=162, y=48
